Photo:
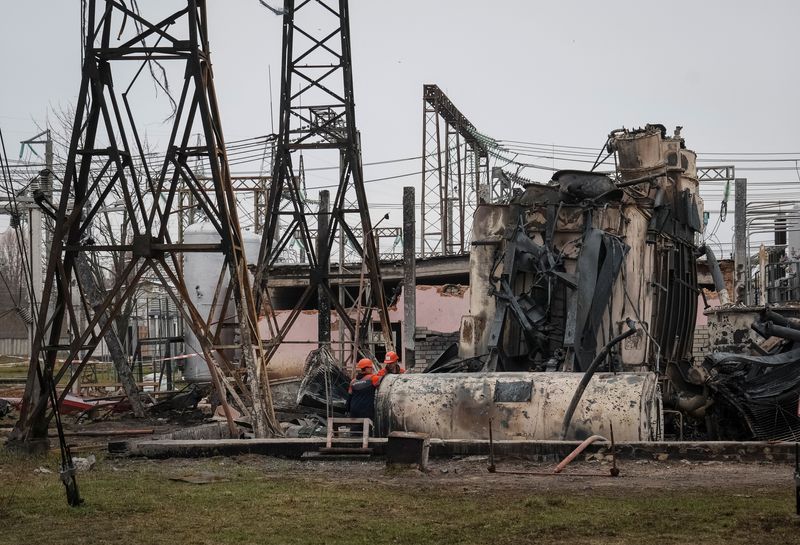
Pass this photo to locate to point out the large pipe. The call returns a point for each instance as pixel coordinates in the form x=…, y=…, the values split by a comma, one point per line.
x=716, y=274
x=773, y=330
x=779, y=319
x=587, y=376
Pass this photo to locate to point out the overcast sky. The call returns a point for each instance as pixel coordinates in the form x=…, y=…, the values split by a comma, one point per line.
x=563, y=73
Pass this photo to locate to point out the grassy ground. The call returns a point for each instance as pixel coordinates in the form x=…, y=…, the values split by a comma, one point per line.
x=273, y=501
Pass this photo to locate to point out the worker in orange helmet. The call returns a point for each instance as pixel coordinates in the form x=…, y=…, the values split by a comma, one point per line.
x=361, y=394
x=391, y=365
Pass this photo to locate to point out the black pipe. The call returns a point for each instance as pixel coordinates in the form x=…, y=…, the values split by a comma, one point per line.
x=587, y=376
x=780, y=319
x=716, y=273
x=773, y=330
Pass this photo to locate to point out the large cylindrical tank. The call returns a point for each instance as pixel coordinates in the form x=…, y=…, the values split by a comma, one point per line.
x=522, y=406
x=201, y=273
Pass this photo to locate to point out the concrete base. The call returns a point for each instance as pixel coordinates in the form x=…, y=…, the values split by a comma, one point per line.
x=408, y=449
x=530, y=450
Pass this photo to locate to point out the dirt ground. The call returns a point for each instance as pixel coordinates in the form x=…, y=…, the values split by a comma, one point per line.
x=257, y=499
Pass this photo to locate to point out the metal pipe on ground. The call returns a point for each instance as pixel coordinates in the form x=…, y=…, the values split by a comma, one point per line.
x=580, y=448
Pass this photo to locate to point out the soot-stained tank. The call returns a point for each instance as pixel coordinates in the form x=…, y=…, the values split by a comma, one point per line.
x=523, y=406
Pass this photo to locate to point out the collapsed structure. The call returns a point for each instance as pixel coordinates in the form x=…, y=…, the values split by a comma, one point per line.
x=586, y=273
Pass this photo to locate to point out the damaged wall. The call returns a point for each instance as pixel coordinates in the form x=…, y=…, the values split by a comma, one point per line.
x=439, y=309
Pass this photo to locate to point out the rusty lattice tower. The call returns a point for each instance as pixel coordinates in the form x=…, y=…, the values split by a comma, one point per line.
x=317, y=112
x=107, y=162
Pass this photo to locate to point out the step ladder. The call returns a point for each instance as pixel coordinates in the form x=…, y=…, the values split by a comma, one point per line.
x=336, y=436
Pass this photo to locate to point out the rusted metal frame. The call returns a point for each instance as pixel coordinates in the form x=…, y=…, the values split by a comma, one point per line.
x=283, y=161
x=317, y=131
x=105, y=309
x=108, y=304
x=264, y=421
x=220, y=386
x=317, y=43
x=60, y=228
x=443, y=227
x=426, y=185
x=193, y=317
x=69, y=308
x=132, y=122
x=178, y=162
x=274, y=342
x=376, y=282
x=115, y=153
x=199, y=193
x=151, y=28
x=60, y=263
x=31, y=424
x=176, y=175
x=317, y=82
x=460, y=174
x=103, y=194
x=283, y=241
x=115, y=156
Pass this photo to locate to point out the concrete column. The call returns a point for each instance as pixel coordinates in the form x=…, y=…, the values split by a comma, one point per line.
x=740, y=257
x=323, y=258
x=409, y=277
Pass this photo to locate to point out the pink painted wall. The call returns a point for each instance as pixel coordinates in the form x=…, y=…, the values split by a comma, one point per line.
x=439, y=308
x=713, y=300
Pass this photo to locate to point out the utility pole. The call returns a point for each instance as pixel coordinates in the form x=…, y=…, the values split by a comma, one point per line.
x=409, y=277
x=740, y=258
x=43, y=188
x=324, y=306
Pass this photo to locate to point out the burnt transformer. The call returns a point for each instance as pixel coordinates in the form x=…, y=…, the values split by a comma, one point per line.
x=589, y=273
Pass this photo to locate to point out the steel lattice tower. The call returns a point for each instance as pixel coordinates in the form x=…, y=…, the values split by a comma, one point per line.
x=317, y=112
x=106, y=157
x=455, y=175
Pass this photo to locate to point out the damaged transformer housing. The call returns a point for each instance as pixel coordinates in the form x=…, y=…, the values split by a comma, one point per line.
x=566, y=264
x=562, y=273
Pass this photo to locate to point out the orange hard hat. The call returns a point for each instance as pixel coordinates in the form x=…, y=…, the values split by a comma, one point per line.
x=391, y=357
x=364, y=363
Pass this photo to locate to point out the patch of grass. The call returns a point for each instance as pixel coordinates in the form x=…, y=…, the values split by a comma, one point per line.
x=135, y=502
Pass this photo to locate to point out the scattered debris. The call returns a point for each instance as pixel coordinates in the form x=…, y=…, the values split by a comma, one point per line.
x=84, y=464
x=203, y=477
x=324, y=383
